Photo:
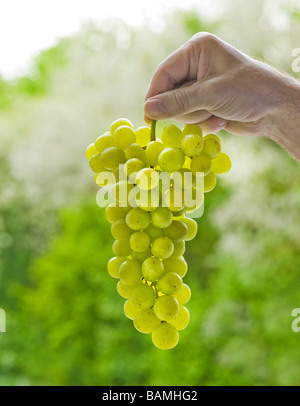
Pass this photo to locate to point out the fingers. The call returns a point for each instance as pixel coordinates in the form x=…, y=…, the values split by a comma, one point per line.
x=213, y=124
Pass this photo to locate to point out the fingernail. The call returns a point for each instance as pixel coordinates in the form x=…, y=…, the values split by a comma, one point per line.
x=221, y=122
x=155, y=107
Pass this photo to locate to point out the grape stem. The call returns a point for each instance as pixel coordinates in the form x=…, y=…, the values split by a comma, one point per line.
x=153, y=126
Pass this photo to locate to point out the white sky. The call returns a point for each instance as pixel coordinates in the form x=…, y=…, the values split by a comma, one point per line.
x=27, y=26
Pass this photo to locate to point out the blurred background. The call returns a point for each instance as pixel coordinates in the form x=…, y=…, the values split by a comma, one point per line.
x=67, y=70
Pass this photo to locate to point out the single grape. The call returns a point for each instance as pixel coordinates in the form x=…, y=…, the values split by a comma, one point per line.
x=124, y=290
x=139, y=241
x=192, y=129
x=211, y=147
x=96, y=164
x=137, y=219
x=179, y=248
x=221, y=164
x=169, y=283
x=153, y=149
x=201, y=163
x=121, y=248
x=91, y=151
x=120, y=230
x=118, y=123
x=165, y=336
x=192, y=144
x=192, y=228
x=162, y=217
x=171, y=136
x=184, y=295
x=113, y=212
x=146, y=321
x=147, y=179
x=124, y=136
x=171, y=159
x=130, y=310
x=152, y=268
x=143, y=136
x=162, y=247
x=176, y=264
x=135, y=151
x=103, y=142
x=165, y=307
x=142, y=296
x=133, y=165
x=154, y=232
x=141, y=256
x=130, y=272
x=112, y=157
x=113, y=266
x=181, y=320
x=210, y=182
x=212, y=136
x=177, y=231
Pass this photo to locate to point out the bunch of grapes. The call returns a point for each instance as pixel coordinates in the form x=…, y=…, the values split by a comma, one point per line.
x=152, y=216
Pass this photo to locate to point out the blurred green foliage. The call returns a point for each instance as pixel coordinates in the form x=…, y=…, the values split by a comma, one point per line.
x=65, y=322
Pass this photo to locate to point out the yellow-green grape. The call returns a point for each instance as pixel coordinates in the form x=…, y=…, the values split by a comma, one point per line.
x=146, y=321
x=192, y=228
x=210, y=182
x=184, y=178
x=162, y=247
x=171, y=159
x=112, y=157
x=211, y=147
x=153, y=149
x=143, y=136
x=177, y=231
x=179, y=248
x=113, y=266
x=184, y=295
x=165, y=307
x=90, y=151
x=181, y=320
x=130, y=310
x=221, y=164
x=141, y=256
x=201, y=163
x=120, y=192
x=133, y=165
x=171, y=136
x=192, y=144
x=118, y=123
x=192, y=129
x=169, y=283
x=165, y=336
x=121, y=248
x=142, y=296
x=212, y=136
x=154, y=232
x=137, y=219
x=147, y=179
x=147, y=200
x=124, y=136
x=152, y=269
x=113, y=212
x=139, y=241
x=135, y=151
x=130, y=272
x=103, y=142
x=174, y=199
x=162, y=217
x=124, y=290
x=96, y=164
x=120, y=230
x=176, y=264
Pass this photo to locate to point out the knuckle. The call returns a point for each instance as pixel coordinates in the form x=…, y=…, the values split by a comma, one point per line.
x=182, y=100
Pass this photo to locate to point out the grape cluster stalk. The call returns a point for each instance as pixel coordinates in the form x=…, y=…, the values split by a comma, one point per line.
x=156, y=188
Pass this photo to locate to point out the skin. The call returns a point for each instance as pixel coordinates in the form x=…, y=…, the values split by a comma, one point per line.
x=210, y=83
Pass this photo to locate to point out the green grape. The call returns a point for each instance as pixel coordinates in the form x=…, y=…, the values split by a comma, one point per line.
x=165, y=336
x=174, y=199
x=210, y=182
x=162, y=247
x=165, y=307
x=211, y=147
x=153, y=149
x=154, y=233
x=118, y=123
x=171, y=136
x=124, y=290
x=130, y=272
x=147, y=200
x=141, y=256
x=152, y=268
x=137, y=219
x=133, y=165
x=139, y=241
x=179, y=248
x=171, y=159
x=177, y=231
x=112, y=157
x=147, y=179
x=103, y=142
x=184, y=295
x=91, y=151
x=221, y=164
x=113, y=266
x=143, y=136
x=113, y=212
x=201, y=163
x=182, y=319
x=124, y=136
x=176, y=264
x=169, y=283
x=135, y=151
x=142, y=296
x=212, y=136
x=130, y=310
x=120, y=192
x=192, y=129
x=120, y=230
x=192, y=228
x=192, y=144
x=121, y=248
x=146, y=321
x=96, y=164
x=162, y=217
